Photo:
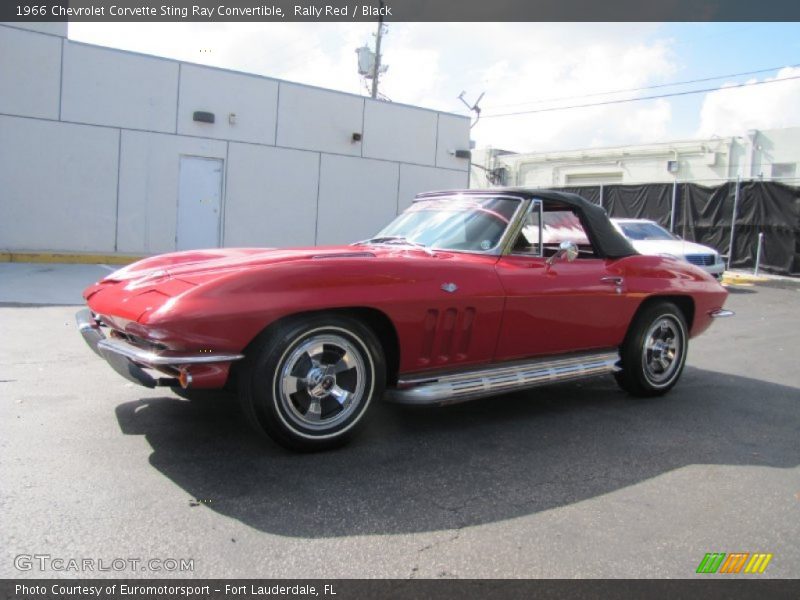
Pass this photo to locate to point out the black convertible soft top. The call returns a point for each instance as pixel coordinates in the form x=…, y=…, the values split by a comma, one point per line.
x=607, y=241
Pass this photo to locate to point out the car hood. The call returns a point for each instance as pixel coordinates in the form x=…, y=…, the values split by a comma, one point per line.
x=139, y=289
x=138, y=292
x=198, y=264
x=674, y=247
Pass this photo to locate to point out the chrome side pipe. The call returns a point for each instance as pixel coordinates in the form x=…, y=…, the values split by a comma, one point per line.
x=509, y=377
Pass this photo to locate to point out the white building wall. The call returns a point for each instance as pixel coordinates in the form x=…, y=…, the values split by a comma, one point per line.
x=92, y=138
x=400, y=133
x=58, y=185
x=452, y=136
x=354, y=198
x=271, y=196
x=253, y=101
x=30, y=74
x=313, y=119
x=119, y=89
x=709, y=161
x=777, y=147
x=706, y=160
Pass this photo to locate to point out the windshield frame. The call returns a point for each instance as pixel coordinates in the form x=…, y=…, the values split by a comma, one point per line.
x=499, y=248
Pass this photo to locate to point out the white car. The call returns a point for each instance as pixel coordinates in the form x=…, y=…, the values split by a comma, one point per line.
x=648, y=237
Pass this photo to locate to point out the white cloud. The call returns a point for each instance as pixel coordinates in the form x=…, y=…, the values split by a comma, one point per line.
x=731, y=111
x=571, y=74
x=648, y=122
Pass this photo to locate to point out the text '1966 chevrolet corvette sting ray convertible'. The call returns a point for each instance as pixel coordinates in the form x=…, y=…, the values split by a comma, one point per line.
x=466, y=294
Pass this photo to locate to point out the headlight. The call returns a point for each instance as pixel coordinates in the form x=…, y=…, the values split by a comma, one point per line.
x=668, y=255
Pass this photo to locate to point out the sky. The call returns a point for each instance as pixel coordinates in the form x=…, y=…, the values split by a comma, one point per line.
x=519, y=67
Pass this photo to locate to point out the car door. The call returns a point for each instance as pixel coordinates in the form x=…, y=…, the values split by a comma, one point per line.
x=564, y=306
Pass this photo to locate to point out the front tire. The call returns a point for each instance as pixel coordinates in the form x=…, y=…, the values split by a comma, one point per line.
x=309, y=384
x=654, y=351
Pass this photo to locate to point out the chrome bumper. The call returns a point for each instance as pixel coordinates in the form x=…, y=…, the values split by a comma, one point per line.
x=130, y=361
x=721, y=313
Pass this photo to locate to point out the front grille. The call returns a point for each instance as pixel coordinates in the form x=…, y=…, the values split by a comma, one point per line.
x=137, y=341
x=701, y=260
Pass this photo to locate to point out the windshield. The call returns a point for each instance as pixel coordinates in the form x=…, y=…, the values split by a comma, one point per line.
x=451, y=223
x=645, y=231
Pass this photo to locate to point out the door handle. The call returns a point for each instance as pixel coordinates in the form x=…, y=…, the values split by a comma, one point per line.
x=615, y=280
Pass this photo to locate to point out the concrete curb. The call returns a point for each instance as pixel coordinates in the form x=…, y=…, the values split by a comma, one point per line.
x=68, y=258
x=738, y=278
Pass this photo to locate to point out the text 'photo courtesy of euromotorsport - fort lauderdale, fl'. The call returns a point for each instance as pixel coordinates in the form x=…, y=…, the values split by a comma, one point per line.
x=172, y=590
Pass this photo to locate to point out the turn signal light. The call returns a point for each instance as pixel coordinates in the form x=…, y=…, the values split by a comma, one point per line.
x=185, y=379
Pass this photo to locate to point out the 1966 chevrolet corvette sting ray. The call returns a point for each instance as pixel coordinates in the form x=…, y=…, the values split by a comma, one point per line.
x=466, y=294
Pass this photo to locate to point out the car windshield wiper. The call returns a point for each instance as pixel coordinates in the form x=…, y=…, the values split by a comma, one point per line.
x=394, y=239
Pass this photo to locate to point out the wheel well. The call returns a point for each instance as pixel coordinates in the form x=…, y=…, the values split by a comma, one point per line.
x=684, y=303
x=373, y=318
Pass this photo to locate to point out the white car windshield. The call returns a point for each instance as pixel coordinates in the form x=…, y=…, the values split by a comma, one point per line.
x=451, y=223
x=644, y=231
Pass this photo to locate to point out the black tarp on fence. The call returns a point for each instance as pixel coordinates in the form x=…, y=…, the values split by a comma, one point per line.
x=703, y=215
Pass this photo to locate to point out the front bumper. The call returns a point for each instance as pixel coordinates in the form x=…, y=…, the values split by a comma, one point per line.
x=130, y=360
x=717, y=269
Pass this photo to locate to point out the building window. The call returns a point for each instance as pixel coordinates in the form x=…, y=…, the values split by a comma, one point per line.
x=593, y=178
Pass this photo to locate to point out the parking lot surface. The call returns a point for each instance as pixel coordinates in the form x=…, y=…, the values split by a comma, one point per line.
x=574, y=480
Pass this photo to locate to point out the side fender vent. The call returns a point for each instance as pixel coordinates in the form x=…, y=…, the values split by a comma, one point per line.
x=446, y=335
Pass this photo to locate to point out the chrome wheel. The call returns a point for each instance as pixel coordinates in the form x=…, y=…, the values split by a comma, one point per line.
x=322, y=382
x=309, y=381
x=663, y=349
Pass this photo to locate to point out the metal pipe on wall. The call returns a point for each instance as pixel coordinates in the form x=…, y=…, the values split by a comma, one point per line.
x=733, y=222
x=674, y=203
x=758, y=252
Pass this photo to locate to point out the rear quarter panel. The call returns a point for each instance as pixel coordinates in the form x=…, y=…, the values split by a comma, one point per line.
x=653, y=276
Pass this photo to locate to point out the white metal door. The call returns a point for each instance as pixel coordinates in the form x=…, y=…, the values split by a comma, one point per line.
x=199, y=202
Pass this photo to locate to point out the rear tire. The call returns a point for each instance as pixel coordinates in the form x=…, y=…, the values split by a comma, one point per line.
x=309, y=384
x=654, y=351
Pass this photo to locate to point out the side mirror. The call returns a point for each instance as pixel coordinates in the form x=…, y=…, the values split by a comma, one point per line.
x=566, y=249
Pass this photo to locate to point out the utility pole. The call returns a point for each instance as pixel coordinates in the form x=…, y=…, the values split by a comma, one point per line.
x=377, y=69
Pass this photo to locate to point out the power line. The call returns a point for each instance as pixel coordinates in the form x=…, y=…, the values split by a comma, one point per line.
x=622, y=101
x=647, y=87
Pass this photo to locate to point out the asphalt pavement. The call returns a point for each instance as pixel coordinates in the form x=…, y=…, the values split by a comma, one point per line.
x=574, y=480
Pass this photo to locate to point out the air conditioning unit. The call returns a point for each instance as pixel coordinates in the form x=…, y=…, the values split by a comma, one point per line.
x=498, y=176
x=366, y=61
x=673, y=166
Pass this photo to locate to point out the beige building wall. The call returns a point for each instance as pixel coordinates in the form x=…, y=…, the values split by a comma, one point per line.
x=768, y=154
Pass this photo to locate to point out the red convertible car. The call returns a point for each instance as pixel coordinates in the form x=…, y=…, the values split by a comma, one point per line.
x=466, y=294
